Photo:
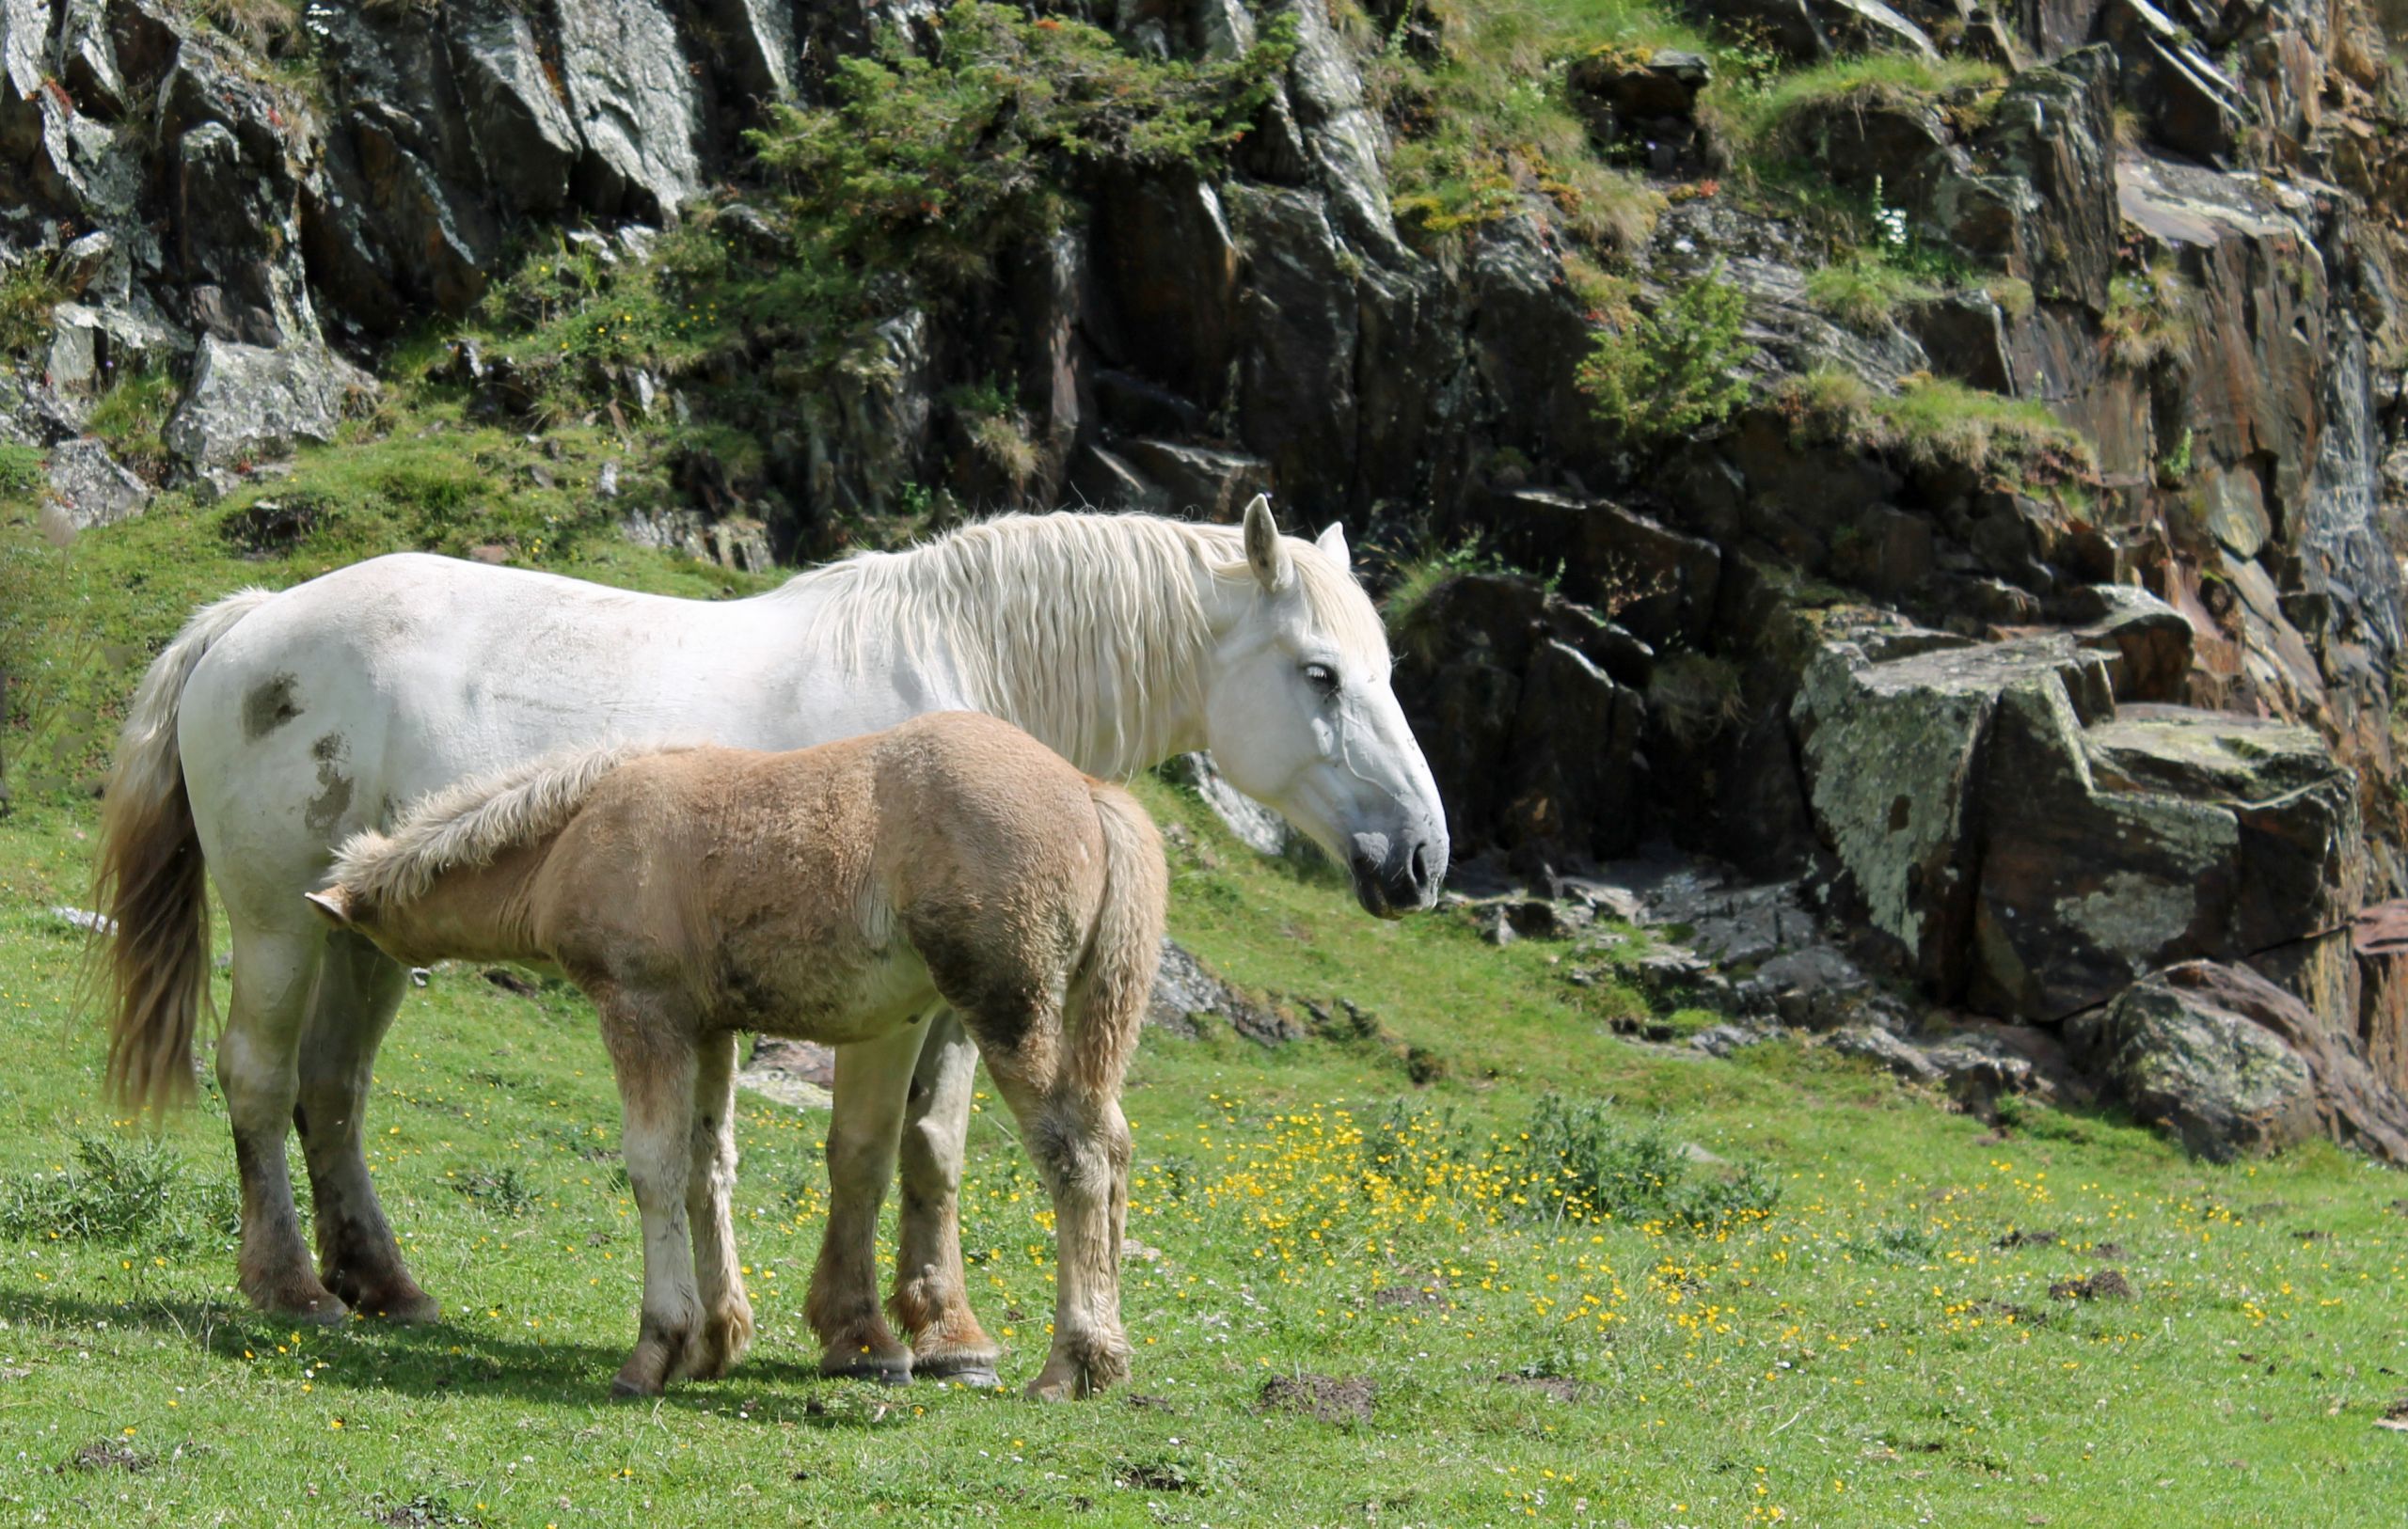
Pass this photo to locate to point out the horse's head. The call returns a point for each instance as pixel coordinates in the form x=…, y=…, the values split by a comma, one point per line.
x=1299, y=715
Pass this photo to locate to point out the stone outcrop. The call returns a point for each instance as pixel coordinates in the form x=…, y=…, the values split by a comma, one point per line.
x=2233, y=1065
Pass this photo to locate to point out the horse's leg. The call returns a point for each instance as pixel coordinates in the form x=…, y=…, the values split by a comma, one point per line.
x=1080, y=1144
x=931, y=1300
x=727, y=1311
x=872, y=1078
x=652, y=1053
x=274, y=971
x=358, y=989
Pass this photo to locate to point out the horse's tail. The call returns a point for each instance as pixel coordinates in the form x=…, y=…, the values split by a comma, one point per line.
x=1117, y=979
x=469, y=825
x=153, y=961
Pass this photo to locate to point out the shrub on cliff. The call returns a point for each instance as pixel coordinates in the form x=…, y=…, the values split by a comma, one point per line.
x=922, y=170
x=1674, y=367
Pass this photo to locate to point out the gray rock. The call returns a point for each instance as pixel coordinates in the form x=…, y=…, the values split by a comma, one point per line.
x=634, y=105
x=1186, y=991
x=1256, y=826
x=2191, y=1051
x=89, y=487
x=247, y=401
x=1881, y=1047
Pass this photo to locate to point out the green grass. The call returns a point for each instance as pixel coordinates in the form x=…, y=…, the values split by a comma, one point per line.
x=1870, y=1350
x=2148, y=319
x=131, y=416
x=1932, y=421
x=1486, y=131
x=1864, y=289
x=1759, y=117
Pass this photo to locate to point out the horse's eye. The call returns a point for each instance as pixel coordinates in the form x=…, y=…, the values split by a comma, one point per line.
x=1322, y=678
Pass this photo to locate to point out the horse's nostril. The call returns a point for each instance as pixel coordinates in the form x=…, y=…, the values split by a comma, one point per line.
x=1418, y=868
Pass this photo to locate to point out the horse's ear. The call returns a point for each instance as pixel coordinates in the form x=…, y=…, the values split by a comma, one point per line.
x=1268, y=559
x=333, y=905
x=1332, y=543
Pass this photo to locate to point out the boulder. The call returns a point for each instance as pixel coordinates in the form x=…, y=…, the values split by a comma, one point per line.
x=635, y=102
x=1187, y=993
x=2024, y=845
x=2232, y=1066
x=1256, y=826
x=247, y=401
x=1528, y=708
x=89, y=487
x=1893, y=752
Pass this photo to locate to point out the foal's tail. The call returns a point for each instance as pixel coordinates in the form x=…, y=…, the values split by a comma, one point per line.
x=1117, y=979
x=149, y=880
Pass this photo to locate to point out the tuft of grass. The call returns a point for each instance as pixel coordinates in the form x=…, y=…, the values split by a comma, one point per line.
x=2147, y=319
x=1865, y=290
x=28, y=292
x=1486, y=130
x=1762, y=121
x=1932, y=421
x=1418, y=577
x=131, y=416
x=115, y=1192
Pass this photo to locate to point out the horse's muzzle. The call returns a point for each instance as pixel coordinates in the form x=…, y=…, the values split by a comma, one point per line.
x=1403, y=879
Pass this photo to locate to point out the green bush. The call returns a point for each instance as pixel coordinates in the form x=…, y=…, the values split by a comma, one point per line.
x=922, y=170
x=113, y=1191
x=1590, y=1164
x=1675, y=368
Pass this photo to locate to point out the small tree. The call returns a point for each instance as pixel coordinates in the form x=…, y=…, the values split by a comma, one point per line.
x=1669, y=371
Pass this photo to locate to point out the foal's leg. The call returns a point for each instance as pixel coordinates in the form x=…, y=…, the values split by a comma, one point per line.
x=653, y=1054
x=1080, y=1144
x=257, y=1070
x=358, y=989
x=871, y=1080
x=727, y=1311
x=932, y=1300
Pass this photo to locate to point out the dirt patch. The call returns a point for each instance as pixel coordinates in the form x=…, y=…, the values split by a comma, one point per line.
x=2109, y=1249
x=2021, y=1238
x=2106, y=1285
x=2394, y=1416
x=1165, y=1475
x=110, y=1455
x=1324, y=1398
x=2009, y=1311
x=517, y=983
x=2308, y=1234
x=1562, y=1387
x=1407, y=1297
x=420, y=1512
x=1143, y=1403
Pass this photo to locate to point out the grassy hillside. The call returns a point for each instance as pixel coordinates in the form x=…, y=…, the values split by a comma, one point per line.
x=1858, y=1330
x=1522, y=1268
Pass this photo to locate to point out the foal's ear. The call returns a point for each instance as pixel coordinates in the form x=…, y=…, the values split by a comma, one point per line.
x=333, y=905
x=1332, y=543
x=1269, y=559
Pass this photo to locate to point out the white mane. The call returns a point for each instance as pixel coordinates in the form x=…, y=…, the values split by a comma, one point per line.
x=470, y=823
x=1078, y=627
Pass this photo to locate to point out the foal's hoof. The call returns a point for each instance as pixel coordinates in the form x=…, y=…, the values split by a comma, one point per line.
x=884, y=1372
x=623, y=1389
x=974, y=1370
x=977, y=1377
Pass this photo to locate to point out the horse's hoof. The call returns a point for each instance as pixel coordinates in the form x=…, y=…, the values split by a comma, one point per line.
x=623, y=1389
x=894, y=1373
x=415, y=1309
x=975, y=1377
x=970, y=1370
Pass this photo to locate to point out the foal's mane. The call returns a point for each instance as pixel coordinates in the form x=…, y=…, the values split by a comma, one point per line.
x=469, y=823
x=1057, y=622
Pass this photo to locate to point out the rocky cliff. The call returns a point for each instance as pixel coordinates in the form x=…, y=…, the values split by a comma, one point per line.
x=1942, y=461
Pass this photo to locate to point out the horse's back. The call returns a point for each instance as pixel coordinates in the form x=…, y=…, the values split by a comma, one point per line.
x=349, y=696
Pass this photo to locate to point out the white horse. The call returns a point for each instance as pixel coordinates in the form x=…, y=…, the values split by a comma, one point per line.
x=278, y=725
